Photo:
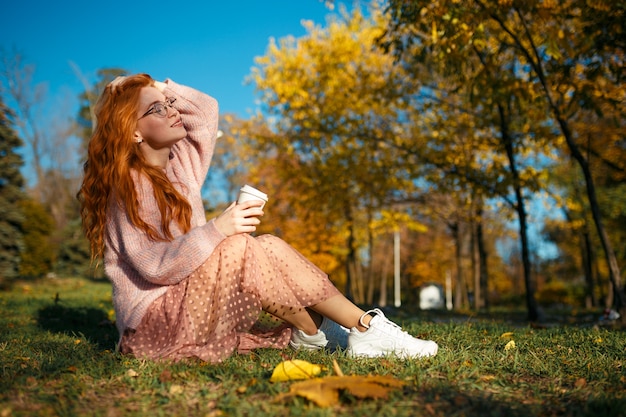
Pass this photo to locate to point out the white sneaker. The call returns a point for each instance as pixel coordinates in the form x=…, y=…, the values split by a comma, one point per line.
x=330, y=334
x=301, y=340
x=336, y=334
x=384, y=338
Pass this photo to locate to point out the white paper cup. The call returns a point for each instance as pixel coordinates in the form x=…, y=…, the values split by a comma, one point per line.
x=247, y=193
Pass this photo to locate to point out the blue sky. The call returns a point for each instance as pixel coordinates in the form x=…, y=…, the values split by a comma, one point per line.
x=210, y=45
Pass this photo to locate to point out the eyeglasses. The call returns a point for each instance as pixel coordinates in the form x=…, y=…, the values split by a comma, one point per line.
x=160, y=108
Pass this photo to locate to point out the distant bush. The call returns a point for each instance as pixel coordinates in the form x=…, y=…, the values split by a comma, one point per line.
x=559, y=292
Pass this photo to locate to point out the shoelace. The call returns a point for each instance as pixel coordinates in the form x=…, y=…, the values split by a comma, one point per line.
x=396, y=329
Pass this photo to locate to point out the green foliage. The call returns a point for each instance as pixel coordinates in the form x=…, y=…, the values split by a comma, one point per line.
x=73, y=256
x=557, y=292
x=88, y=101
x=38, y=255
x=57, y=340
x=11, y=183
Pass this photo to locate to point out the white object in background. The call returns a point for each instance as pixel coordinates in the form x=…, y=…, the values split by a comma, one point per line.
x=431, y=297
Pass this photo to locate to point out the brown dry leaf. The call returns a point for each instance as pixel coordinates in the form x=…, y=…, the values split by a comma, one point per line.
x=325, y=391
x=165, y=376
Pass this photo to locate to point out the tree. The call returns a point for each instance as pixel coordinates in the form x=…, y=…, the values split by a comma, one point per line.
x=51, y=143
x=38, y=256
x=11, y=193
x=545, y=51
x=337, y=104
x=88, y=99
x=16, y=82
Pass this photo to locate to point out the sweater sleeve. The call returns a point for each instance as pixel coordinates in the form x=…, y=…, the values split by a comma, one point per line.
x=199, y=113
x=160, y=262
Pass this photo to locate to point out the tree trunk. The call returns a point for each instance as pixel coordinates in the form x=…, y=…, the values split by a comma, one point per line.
x=482, y=253
x=482, y=294
x=520, y=207
x=611, y=259
x=475, y=266
x=534, y=58
x=460, y=296
x=370, y=272
x=351, y=254
x=587, y=260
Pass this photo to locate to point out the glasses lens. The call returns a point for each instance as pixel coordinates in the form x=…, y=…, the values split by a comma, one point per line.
x=160, y=109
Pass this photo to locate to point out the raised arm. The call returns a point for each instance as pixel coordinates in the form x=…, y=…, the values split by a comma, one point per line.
x=200, y=115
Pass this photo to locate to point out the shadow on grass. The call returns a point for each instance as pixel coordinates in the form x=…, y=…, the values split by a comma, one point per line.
x=90, y=322
x=445, y=399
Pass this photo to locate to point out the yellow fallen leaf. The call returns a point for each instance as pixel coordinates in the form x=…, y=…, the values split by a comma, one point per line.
x=176, y=389
x=325, y=391
x=506, y=335
x=294, y=369
x=510, y=345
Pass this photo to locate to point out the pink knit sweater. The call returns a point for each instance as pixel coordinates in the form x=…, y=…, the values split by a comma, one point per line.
x=141, y=269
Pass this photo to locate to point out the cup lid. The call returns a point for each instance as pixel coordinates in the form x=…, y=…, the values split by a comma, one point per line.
x=251, y=190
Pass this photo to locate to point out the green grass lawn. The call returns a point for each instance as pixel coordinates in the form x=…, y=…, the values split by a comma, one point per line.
x=57, y=359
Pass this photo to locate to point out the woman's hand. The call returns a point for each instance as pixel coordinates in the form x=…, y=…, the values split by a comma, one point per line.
x=160, y=85
x=240, y=218
x=117, y=81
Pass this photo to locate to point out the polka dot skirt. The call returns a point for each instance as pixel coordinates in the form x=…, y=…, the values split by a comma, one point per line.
x=231, y=303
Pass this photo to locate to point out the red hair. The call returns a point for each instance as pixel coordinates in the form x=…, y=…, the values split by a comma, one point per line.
x=112, y=154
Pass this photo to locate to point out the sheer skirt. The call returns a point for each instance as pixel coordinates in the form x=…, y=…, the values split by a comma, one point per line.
x=219, y=308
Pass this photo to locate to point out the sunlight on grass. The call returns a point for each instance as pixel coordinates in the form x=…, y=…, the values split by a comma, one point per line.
x=57, y=357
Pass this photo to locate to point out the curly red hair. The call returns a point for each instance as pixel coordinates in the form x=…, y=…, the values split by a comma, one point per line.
x=111, y=156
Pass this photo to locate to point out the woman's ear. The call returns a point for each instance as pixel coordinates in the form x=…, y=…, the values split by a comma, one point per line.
x=138, y=138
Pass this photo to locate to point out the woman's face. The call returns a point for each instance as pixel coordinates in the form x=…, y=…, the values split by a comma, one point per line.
x=155, y=130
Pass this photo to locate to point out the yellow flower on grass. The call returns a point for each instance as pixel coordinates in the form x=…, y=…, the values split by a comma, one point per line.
x=510, y=345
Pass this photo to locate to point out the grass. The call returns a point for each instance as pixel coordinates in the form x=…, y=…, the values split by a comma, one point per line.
x=57, y=359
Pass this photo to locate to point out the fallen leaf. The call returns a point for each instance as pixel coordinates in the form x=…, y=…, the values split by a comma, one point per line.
x=580, y=383
x=510, y=345
x=176, y=389
x=294, y=369
x=325, y=391
x=132, y=373
x=506, y=335
x=165, y=376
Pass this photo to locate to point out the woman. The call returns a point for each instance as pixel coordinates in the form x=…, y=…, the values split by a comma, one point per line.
x=184, y=287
